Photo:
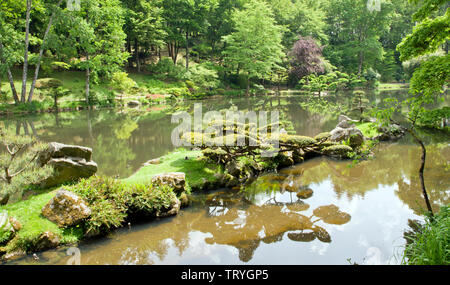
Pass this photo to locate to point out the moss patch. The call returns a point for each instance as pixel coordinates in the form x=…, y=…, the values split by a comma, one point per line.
x=196, y=168
x=369, y=130
x=28, y=213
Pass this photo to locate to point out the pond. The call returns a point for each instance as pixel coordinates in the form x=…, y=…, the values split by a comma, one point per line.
x=349, y=213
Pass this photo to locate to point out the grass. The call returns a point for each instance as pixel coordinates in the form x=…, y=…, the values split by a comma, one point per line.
x=28, y=213
x=369, y=130
x=431, y=245
x=195, y=168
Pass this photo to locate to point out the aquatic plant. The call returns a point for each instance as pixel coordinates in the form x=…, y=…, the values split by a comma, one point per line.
x=430, y=243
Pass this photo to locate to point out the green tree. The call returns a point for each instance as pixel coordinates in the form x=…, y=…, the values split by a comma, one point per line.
x=143, y=26
x=354, y=33
x=431, y=78
x=98, y=38
x=255, y=45
x=18, y=164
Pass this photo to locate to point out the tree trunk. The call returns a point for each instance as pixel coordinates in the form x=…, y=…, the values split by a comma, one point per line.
x=136, y=52
x=25, y=58
x=41, y=52
x=130, y=59
x=421, y=170
x=10, y=77
x=13, y=87
x=187, y=50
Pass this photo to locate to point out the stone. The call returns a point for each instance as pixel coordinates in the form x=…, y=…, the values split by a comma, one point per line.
x=47, y=240
x=184, y=199
x=66, y=209
x=68, y=170
x=173, y=210
x=59, y=150
x=285, y=159
x=305, y=193
x=175, y=180
x=153, y=162
x=343, y=118
x=340, y=151
x=16, y=225
x=353, y=134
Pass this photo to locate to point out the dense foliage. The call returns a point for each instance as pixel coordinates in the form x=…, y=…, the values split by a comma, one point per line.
x=243, y=42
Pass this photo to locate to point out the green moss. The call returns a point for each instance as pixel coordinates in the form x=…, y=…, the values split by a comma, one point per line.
x=339, y=150
x=28, y=213
x=196, y=168
x=369, y=130
x=322, y=136
x=300, y=141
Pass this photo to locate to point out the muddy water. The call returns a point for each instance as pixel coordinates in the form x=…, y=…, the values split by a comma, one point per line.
x=320, y=212
x=355, y=214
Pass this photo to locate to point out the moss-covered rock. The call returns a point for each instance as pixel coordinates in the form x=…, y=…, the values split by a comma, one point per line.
x=323, y=136
x=340, y=151
x=175, y=180
x=299, y=141
x=66, y=209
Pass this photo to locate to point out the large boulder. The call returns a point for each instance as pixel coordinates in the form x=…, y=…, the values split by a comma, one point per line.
x=391, y=132
x=47, y=240
x=174, y=209
x=175, y=180
x=354, y=135
x=66, y=209
x=70, y=163
x=338, y=151
x=59, y=150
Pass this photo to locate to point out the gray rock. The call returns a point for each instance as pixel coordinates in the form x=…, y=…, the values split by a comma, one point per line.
x=173, y=210
x=343, y=118
x=59, y=150
x=68, y=170
x=47, y=240
x=70, y=163
x=176, y=180
x=66, y=209
x=340, y=134
x=153, y=162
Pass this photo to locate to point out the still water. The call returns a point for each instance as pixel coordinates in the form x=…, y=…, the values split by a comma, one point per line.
x=356, y=213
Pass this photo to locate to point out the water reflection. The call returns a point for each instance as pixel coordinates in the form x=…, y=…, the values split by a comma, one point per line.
x=320, y=212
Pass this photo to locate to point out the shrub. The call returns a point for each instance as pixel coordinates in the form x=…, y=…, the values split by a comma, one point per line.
x=166, y=69
x=112, y=201
x=203, y=77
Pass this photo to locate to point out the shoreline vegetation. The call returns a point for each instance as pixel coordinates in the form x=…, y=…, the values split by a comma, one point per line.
x=148, y=91
x=114, y=202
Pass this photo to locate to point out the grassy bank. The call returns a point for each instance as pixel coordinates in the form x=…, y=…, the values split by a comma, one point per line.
x=192, y=163
x=430, y=243
x=112, y=204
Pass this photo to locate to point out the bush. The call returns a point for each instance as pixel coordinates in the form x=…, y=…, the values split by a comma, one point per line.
x=112, y=201
x=166, y=69
x=203, y=77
